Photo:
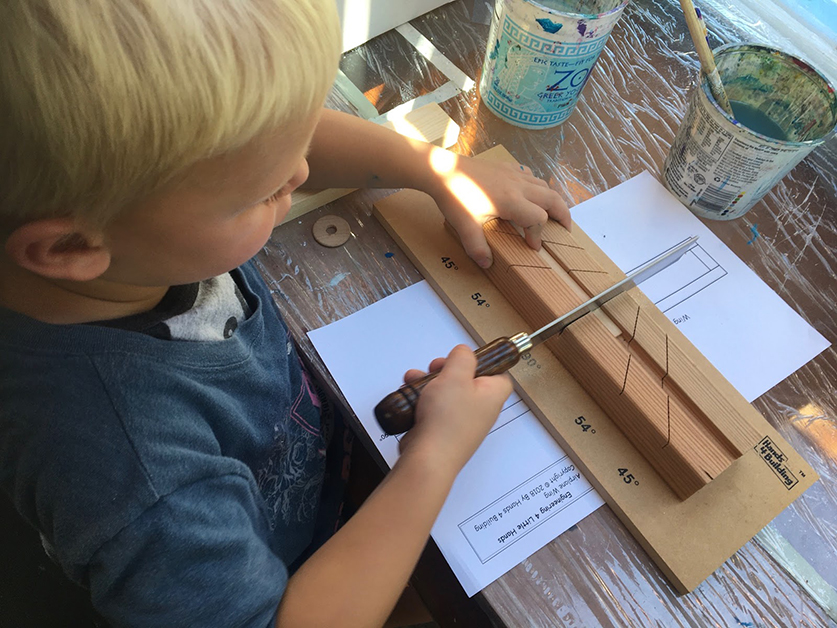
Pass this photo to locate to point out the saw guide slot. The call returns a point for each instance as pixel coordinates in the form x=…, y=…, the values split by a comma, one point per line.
x=688, y=538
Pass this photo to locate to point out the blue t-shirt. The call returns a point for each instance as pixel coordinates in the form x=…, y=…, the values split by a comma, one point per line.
x=176, y=480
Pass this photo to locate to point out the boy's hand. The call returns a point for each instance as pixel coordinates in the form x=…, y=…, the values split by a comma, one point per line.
x=469, y=192
x=455, y=410
x=348, y=152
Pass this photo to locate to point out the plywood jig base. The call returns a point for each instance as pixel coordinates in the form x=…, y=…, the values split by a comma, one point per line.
x=691, y=498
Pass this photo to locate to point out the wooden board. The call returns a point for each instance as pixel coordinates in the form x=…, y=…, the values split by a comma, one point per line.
x=428, y=123
x=688, y=539
x=675, y=433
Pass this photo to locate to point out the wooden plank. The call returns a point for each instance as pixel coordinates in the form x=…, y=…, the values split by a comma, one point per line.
x=638, y=319
x=428, y=123
x=670, y=431
x=688, y=539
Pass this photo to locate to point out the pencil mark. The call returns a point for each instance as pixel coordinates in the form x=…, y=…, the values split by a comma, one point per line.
x=583, y=270
x=663, y=380
x=627, y=369
x=569, y=246
x=528, y=266
x=636, y=322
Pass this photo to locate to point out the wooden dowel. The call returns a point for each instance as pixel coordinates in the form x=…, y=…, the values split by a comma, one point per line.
x=707, y=60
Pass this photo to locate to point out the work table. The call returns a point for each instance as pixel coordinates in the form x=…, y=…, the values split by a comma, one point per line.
x=596, y=574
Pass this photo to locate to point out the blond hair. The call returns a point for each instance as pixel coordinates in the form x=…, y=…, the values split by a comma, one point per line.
x=103, y=101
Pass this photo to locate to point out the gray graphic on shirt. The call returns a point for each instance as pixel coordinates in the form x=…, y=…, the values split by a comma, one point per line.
x=290, y=490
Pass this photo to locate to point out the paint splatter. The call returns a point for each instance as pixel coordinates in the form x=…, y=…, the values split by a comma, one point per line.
x=338, y=278
x=755, y=231
x=582, y=27
x=388, y=254
x=493, y=54
x=746, y=624
x=549, y=26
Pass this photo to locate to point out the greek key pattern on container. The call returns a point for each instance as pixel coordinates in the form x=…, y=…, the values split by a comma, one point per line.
x=508, y=112
x=547, y=46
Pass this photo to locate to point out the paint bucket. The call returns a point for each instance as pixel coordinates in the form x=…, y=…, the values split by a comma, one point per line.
x=540, y=55
x=719, y=166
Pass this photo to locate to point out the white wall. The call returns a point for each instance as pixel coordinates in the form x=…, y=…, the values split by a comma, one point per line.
x=364, y=19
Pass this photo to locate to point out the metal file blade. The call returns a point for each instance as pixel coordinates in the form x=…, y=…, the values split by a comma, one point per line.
x=396, y=411
x=636, y=277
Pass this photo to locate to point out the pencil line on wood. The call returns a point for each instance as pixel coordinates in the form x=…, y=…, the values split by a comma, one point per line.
x=636, y=322
x=528, y=266
x=627, y=369
x=569, y=246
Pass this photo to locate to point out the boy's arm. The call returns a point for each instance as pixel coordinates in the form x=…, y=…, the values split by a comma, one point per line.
x=356, y=578
x=347, y=151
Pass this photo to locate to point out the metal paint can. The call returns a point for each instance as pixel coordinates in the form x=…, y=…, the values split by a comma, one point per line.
x=719, y=165
x=540, y=55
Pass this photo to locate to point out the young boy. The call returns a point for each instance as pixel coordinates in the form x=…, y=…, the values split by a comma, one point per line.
x=156, y=427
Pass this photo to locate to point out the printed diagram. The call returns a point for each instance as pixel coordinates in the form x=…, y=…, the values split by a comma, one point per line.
x=524, y=508
x=513, y=409
x=695, y=271
x=528, y=505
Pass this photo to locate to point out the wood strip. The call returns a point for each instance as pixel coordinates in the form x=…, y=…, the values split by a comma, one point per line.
x=669, y=431
x=646, y=337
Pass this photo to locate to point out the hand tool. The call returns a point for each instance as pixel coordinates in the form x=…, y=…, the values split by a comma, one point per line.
x=697, y=29
x=396, y=411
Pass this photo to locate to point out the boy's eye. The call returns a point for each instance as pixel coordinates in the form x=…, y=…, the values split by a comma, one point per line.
x=276, y=195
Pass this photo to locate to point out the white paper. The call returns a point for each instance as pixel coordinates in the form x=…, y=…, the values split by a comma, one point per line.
x=517, y=493
x=744, y=328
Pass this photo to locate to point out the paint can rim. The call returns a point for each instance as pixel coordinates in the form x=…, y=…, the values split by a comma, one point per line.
x=582, y=16
x=802, y=64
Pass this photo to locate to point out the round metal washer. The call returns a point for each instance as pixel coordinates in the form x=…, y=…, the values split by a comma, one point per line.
x=331, y=231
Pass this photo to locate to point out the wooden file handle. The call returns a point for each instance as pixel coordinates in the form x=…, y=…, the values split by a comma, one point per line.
x=396, y=411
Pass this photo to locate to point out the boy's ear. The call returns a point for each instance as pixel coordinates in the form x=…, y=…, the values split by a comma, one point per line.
x=58, y=249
